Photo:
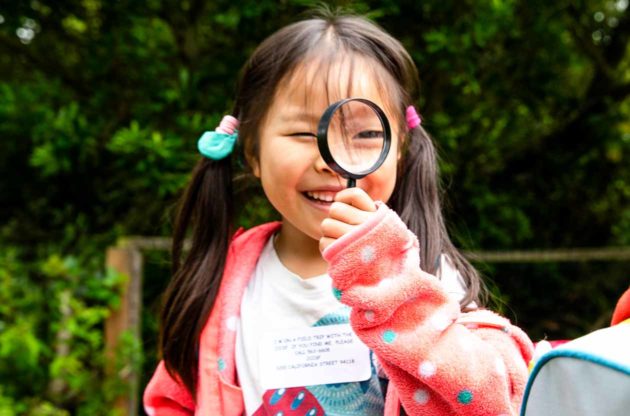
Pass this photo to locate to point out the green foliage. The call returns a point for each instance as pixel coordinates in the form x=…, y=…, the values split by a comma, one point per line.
x=101, y=104
x=538, y=298
x=51, y=334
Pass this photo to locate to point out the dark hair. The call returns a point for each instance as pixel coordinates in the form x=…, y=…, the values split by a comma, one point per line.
x=206, y=208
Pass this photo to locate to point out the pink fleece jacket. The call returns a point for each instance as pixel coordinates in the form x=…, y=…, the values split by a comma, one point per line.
x=439, y=361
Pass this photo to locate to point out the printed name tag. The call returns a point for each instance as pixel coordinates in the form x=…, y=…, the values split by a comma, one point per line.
x=311, y=356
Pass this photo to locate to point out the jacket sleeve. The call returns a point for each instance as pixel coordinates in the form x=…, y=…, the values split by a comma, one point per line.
x=440, y=360
x=165, y=396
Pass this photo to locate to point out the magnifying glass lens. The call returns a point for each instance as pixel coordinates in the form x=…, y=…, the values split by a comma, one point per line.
x=356, y=136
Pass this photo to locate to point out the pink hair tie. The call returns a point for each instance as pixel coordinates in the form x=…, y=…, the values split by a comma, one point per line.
x=228, y=125
x=413, y=119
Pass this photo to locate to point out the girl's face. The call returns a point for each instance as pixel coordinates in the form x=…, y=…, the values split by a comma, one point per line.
x=295, y=178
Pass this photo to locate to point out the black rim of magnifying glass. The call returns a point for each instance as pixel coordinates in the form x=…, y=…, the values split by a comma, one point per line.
x=322, y=138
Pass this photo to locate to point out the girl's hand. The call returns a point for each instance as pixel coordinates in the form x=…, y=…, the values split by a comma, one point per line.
x=352, y=207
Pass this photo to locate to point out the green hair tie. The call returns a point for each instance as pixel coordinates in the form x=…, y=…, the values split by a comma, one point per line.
x=216, y=145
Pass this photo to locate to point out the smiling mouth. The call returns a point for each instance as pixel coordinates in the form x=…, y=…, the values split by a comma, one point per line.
x=321, y=197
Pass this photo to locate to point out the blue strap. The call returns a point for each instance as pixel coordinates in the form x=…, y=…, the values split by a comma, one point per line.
x=215, y=145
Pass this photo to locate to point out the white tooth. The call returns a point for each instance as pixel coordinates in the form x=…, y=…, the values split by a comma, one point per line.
x=321, y=196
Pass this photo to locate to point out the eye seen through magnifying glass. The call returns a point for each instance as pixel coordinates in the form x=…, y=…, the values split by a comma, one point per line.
x=354, y=138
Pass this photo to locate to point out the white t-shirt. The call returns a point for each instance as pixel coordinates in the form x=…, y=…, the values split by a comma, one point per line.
x=277, y=299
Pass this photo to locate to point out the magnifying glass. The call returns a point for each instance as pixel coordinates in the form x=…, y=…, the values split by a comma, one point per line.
x=354, y=138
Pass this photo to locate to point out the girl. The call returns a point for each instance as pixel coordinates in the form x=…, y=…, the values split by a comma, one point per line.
x=259, y=322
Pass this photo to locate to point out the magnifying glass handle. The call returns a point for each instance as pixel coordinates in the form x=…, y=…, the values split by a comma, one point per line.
x=352, y=183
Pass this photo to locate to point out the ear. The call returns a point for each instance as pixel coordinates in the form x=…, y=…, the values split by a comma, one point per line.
x=253, y=162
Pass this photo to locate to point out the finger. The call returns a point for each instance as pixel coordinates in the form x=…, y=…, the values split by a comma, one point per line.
x=356, y=197
x=324, y=242
x=347, y=213
x=334, y=228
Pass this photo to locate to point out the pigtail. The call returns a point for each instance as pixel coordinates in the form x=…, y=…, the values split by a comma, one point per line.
x=206, y=210
x=416, y=199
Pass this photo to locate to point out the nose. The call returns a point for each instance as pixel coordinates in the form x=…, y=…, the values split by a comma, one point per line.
x=320, y=165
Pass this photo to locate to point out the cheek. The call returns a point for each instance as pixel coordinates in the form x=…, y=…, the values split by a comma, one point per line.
x=279, y=173
x=382, y=182
x=391, y=163
x=390, y=179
